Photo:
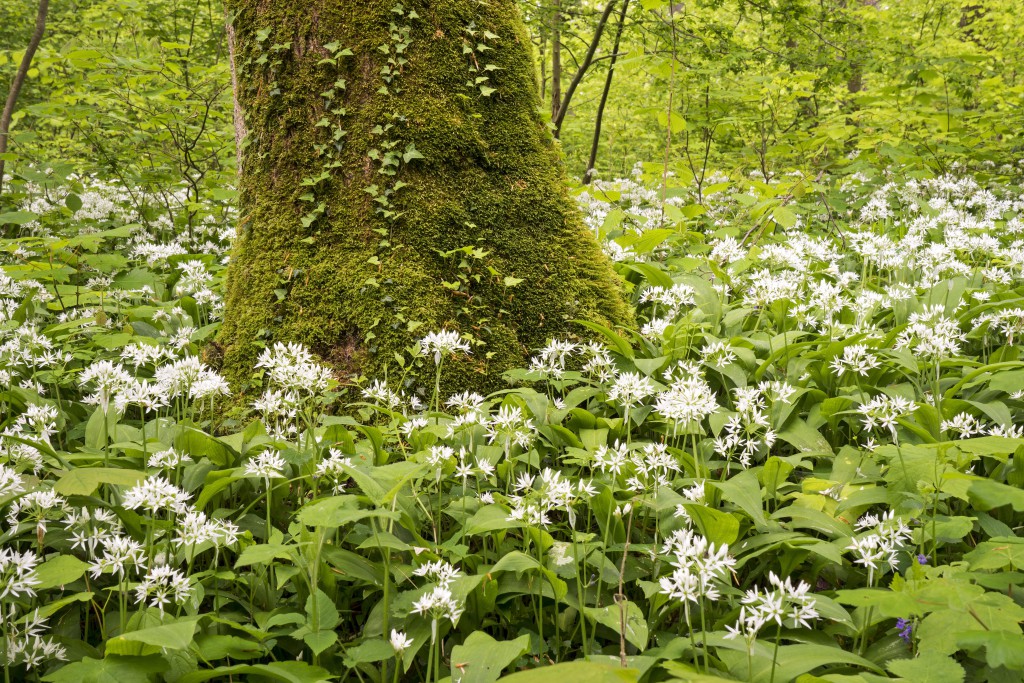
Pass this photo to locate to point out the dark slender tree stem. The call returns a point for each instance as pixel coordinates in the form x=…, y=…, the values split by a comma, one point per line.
x=19, y=80
x=588, y=174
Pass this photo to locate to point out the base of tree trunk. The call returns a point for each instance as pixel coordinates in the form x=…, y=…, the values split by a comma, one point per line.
x=398, y=179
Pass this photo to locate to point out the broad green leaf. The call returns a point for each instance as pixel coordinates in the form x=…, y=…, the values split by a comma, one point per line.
x=59, y=571
x=481, y=658
x=289, y=672
x=83, y=481
x=575, y=671
x=176, y=635
x=110, y=669
x=719, y=527
x=928, y=667
x=611, y=617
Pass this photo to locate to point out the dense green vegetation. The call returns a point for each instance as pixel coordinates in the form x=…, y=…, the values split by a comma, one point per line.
x=793, y=460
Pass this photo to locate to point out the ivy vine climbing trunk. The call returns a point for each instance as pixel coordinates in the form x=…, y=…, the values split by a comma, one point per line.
x=397, y=178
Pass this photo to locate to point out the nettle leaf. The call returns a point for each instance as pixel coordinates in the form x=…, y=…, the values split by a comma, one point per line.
x=1002, y=648
x=1000, y=552
x=928, y=667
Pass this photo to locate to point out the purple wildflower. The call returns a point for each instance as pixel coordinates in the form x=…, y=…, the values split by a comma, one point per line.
x=905, y=628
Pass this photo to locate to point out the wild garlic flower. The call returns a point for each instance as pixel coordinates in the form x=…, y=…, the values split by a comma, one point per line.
x=963, y=426
x=11, y=482
x=439, y=572
x=162, y=585
x=292, y=367
x=783, y=604
x=106, y=378
x=880, y=549
x=698, y=567
x=119, y=552
x=195, y=528
x=90, y=529
x=687, y=402
x=550, y=361
x=333, y=468
x=718, y=352
x=25, y=643
x=17, y=573
x=400, y=642
x=267, y=465
x=509, y=426
x=438, y=604
x=612, y=459
x=599, y=364
x=629, y=389
x=651, y=467
x=39, y=507
x=378, y=392
x=190, y=378
x=856, y=359
x=156, y=494
x=168, y=459
x=883, y=411
x=444, y=343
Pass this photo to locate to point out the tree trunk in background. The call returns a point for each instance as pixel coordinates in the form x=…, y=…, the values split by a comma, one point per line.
x=588, y=175
x=19, y=80
x=556, y=58
x=563, y=107
x=373, y=149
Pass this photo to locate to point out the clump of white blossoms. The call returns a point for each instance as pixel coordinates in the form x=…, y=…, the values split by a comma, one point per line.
x=783, y=604
x=443, y=343
x=156, y=494
x=963, y=426
x=879, y=550
x=25, y=643
x=857, y=359
x=629, y=389
x=931, y=334
x=698, y=567
x=267, y=465
x=883, y=411
x=438, y=603
x=689, y=398
x=550, y=361
x=292, y=367
x=106, y=379
x=162, y=585
x=17, y=573
x=509, y=426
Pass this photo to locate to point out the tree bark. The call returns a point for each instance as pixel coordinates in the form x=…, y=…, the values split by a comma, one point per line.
x=387, y=191
x=19, y=80
x=596, y=143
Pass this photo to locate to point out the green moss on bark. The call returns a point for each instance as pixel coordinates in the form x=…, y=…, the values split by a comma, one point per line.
x=353, y=283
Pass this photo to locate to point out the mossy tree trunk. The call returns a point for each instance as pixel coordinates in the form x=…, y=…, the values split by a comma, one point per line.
x=397, y=179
